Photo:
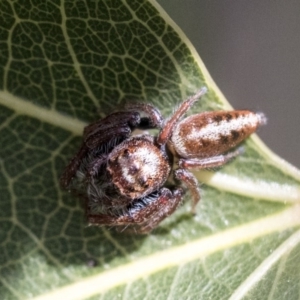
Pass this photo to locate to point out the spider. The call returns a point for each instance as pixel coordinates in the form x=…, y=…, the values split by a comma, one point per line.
x=123, y=177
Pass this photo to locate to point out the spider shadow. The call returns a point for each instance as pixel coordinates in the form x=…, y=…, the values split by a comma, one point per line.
x=98, y=246
x=93, y=246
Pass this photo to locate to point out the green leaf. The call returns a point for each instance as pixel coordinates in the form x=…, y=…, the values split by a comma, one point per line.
x=64, y=64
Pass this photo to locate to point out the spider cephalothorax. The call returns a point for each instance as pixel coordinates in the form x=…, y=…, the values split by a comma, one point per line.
x=123, y=177
x=137, y=167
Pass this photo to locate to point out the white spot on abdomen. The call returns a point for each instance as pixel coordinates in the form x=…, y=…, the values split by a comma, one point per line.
x=213, y=131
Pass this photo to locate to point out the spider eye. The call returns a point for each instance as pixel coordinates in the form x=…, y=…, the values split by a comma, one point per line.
x=126, y=153
x=133, y=170
x=143, y=182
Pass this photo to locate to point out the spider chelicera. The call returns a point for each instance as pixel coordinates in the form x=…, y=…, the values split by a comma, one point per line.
x=123, y=177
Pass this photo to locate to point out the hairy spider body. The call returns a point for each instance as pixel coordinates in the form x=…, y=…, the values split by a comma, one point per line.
x=138, y=167
x=123, y=177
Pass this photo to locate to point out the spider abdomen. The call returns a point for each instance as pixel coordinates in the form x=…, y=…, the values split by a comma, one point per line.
x=213, y=133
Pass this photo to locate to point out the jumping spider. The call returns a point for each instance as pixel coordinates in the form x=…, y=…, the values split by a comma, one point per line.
x=122, y=177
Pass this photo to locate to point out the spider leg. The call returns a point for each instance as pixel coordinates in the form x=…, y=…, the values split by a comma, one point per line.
x=209, y=162
x=167, y=204
x=110, y=138
x=145, y=213
x=115, y=135
x=95, y=166
x=166, y=132
x=153, y=117
x=108, y=132
x=111, y=123
x=191, y=182
x=72, y=167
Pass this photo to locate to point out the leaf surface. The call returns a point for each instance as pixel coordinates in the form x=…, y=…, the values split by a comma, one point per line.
x=62, y=65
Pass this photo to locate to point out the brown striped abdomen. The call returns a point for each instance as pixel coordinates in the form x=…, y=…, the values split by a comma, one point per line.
x=212, y=133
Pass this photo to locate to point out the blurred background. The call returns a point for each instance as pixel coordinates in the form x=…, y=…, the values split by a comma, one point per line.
x=252, y=51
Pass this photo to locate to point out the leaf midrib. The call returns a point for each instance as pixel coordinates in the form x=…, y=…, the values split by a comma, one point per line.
x=22, y=107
